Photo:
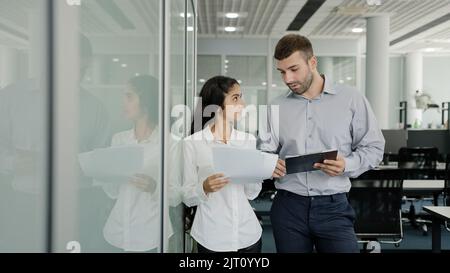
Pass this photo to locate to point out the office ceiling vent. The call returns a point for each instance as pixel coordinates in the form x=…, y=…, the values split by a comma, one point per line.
x=351, y=10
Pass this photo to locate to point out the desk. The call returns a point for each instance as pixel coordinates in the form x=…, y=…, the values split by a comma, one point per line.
x=439, y=215
x=440, y=166
x=392, y=171
x=424, y=187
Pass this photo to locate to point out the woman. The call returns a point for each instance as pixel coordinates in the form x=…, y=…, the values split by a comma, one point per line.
x=224, y=220
x=133, y=224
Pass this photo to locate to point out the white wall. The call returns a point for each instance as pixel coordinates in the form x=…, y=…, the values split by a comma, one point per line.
x=258, y=46
x=436, y=77
x=396, y=86
x=248, y=47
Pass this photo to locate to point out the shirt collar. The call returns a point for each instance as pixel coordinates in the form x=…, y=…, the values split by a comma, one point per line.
x=151, y=138
x=328, y=87
x=208, y=135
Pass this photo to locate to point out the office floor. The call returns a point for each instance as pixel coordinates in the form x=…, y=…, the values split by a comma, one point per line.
x=413, y=239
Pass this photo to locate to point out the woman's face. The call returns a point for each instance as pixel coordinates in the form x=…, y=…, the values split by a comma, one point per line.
x=234, y=104
x=131, y=104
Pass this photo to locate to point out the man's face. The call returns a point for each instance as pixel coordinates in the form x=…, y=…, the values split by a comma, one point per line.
x=297, y=72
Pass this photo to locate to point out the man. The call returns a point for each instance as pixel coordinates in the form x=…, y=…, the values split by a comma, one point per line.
x=22, y=166
x=94, y=132
x=94, y=120
x=311, y=209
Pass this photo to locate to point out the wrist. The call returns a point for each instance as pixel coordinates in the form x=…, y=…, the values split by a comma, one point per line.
x=205, y=188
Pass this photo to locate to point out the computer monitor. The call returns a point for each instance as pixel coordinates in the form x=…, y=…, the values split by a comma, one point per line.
x=395, y=139
x=430, y=138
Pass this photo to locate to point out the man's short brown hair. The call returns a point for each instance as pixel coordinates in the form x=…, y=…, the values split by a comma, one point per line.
x=291, y=43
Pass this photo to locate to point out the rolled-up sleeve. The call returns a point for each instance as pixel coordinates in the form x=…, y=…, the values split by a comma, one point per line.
x=367, y=140
x=193, y=193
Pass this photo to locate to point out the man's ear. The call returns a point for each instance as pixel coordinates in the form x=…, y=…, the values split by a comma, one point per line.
x=313, y=63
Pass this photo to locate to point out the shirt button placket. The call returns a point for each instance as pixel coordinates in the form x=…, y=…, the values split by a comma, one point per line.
x=235, y=220
x=309, y=118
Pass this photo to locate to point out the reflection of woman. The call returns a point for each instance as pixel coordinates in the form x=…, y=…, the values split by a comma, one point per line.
x=224, y=220
x=133, y=224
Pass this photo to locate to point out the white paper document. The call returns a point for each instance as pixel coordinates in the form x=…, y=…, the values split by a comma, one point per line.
x=113, y=164
x=243, y=165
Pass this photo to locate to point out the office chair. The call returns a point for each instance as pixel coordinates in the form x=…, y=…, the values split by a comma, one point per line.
x=190, y=245
x=418, y=163
x=377, y=206
x=261, y=204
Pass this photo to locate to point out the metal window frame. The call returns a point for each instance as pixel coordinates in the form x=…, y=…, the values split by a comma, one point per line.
x=50, y=127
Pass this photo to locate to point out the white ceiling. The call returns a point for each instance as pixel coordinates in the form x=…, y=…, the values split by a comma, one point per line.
x=142, y=14
x=259, y=16
x=262, y=18
x=334, y=19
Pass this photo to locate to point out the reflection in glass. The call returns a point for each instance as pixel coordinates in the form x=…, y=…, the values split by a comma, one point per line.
x=94, y=133
x=123, y=214
x=119, y=45
x=133, y=224
x=23, y=126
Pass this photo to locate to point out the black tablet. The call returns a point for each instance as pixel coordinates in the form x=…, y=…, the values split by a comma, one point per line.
x=305, y=163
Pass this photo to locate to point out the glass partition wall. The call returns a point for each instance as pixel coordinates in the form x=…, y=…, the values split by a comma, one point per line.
x=24, y=126
x=89, y=159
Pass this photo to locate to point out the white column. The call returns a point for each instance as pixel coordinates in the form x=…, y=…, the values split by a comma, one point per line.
x=325, y=66
x=414, y=82
x=377, y=67
x=359, y=77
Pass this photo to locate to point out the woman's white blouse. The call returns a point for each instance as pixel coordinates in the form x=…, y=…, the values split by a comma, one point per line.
x=134, y=222
x=225, y=220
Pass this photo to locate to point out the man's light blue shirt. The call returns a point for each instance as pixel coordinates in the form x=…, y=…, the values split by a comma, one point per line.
x=339, y=118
